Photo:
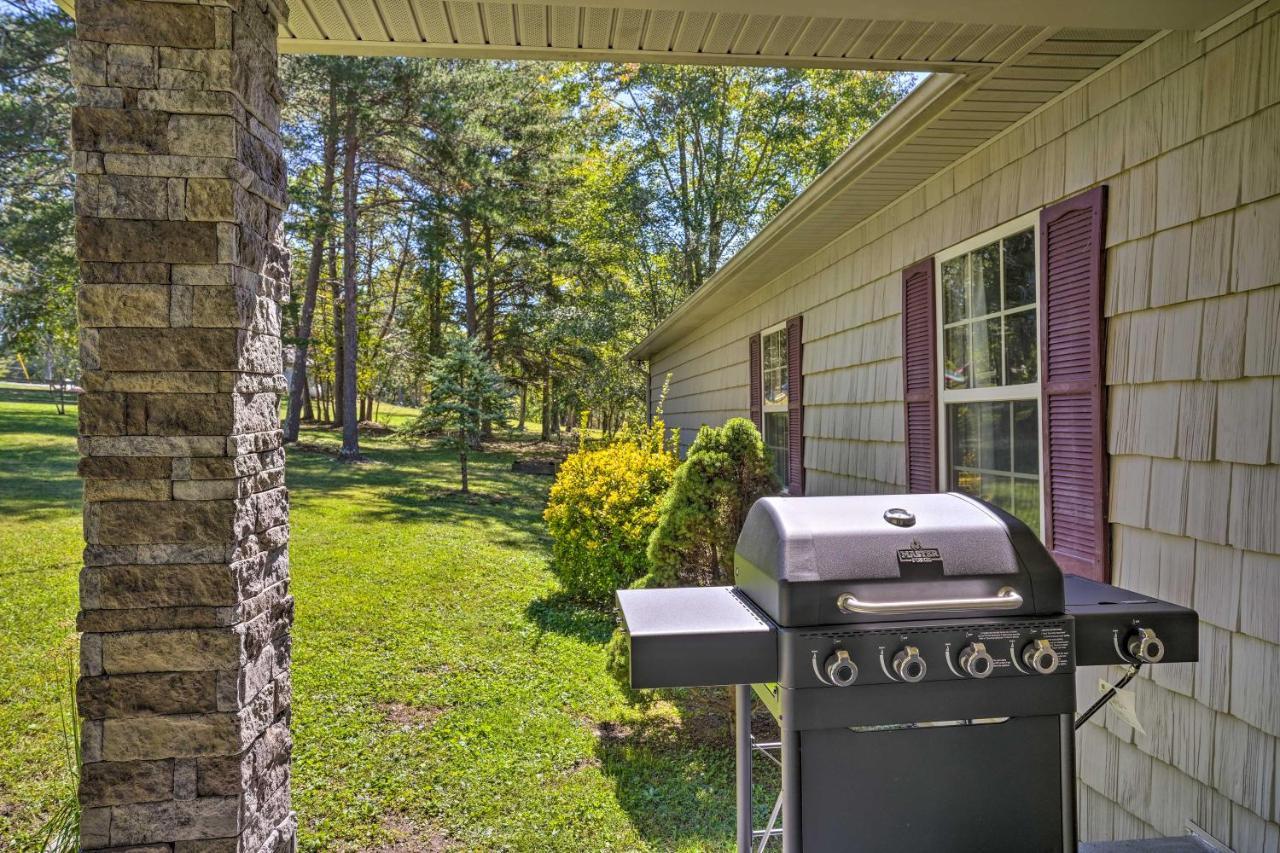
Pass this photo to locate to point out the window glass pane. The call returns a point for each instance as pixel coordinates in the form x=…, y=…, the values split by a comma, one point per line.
x=955, y=302
x=775, y=440
x=1020, y=269
x=963, y=452
x=985, y=274
x=956, y=357
x=986, y=352
x=770, y=347
x=994, y=450
x=1026, y=502
x=1026, y=437
x=774, y=362
x=994, y=437
x=996, y=489
x=775, y=390
x=1020, y=348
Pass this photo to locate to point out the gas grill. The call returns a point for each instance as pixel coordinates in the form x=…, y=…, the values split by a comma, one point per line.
x=918, y=653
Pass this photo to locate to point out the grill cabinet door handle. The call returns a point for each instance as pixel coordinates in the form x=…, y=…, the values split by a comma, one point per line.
x=1006, y=599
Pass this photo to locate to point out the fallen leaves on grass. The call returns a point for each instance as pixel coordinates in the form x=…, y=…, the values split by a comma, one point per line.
x=408, y=836
x=410, y=717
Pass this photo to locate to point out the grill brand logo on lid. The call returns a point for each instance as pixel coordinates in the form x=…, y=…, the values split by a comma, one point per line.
x=917, y=553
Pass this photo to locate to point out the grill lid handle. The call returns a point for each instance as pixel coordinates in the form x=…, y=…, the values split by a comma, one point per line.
x=1007, y=598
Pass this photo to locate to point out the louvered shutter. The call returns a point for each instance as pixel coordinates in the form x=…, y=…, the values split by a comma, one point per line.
x=757, y=396
x=795, y=406
x=919, y=376
x=1071, y=382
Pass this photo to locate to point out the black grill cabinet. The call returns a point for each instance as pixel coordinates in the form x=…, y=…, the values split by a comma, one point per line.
x=918, y=654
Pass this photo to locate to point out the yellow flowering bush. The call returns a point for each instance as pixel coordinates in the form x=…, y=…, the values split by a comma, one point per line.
x=603, y=508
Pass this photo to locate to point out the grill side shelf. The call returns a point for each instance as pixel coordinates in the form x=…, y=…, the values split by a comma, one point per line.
x=697, y=637
x=1107, y=617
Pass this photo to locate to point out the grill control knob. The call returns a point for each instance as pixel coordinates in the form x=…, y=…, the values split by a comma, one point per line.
x=840, y=669
x=909, y=665
x=1146, y=646
x=1041, y=657
x=976, y=661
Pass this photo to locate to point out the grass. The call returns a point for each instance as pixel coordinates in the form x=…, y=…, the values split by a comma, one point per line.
x=444, y=695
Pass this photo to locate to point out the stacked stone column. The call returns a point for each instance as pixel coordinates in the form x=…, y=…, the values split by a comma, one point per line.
x=184, y=688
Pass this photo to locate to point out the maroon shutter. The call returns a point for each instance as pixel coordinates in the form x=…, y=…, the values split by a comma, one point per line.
x=757, y=395
x=795, y=406
x=1071, y=383
x=920, y=376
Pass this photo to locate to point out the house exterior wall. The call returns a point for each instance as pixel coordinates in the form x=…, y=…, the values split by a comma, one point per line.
x=1186, y=134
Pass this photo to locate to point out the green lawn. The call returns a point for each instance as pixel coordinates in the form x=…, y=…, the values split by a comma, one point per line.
x=444, y=697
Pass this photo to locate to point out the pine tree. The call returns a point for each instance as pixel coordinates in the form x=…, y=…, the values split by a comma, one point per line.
x=465, y=392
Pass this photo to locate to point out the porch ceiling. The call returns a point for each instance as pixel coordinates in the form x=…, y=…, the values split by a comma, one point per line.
x=924, y=35
x=920, y=35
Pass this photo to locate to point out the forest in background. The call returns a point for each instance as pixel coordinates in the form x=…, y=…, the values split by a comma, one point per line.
x=553, y=213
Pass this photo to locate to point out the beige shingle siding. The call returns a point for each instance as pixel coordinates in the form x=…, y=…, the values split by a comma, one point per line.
x=1186, y=134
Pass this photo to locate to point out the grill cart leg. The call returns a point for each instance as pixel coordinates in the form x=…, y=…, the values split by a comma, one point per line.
x=742, y=720
x=1068, y=782
x=768, y=832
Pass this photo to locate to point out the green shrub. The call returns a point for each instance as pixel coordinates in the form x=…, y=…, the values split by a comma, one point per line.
x=602, y=510
x=701, y=516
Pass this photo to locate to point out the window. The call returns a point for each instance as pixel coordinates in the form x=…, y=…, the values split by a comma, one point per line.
x=773, y=382
x=989, y=371
x=1002, y=375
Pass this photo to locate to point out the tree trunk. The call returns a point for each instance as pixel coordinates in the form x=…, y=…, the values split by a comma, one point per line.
x=524, y=405
x=350, y=451
x=490, y=297
x=323, y=217
x=435, y=344
x=546, y=402
x=308, y=413
x=469, y=280
x=339, y=358
x=462, y=458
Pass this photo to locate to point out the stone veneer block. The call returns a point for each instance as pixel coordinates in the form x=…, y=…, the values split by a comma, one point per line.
x=185, y=603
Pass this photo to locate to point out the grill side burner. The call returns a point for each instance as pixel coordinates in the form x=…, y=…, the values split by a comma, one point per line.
x=917, y=652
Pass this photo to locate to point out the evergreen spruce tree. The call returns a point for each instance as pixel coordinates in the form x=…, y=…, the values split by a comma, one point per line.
x=465, y=392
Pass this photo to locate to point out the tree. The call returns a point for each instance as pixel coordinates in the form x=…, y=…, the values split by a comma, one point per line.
x=311, y=76
x=38, y=269
x=465, y=392
x=713, y=152
x=553, y=213
x=377, y=97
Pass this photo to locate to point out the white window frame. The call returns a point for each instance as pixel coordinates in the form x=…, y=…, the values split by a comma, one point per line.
x=994, y=393
x=765, y=406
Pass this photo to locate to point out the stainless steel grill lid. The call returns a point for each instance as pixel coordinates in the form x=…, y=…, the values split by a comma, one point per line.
x=822, y=561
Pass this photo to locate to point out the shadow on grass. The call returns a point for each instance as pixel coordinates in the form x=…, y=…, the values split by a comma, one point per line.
x=419, y=484
x=557, y=613
x=38, y=458
x=673, y=769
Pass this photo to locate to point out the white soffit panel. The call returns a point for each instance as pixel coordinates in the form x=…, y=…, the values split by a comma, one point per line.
x=921, y=35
